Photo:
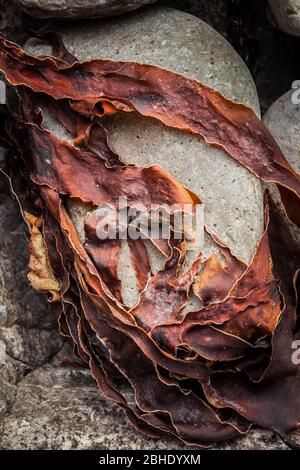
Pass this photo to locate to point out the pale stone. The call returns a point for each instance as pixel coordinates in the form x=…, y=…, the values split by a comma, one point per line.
x=22, y=304
x=32, y=346
x=80, y=8
x=286, y=15
x=62, y=409
x=175, y=40
x=54, y=408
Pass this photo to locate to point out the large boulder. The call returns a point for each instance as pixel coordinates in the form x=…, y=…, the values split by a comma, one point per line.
x=286, y=15
x=175, y=40
x=80, y=8
x=283, y=121
x=27, y=327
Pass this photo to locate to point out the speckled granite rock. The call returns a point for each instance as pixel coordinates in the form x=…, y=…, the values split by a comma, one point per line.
x=21, y=304
x=286, y=15
x=185, y=44
x=283, y=120
x=80, y=8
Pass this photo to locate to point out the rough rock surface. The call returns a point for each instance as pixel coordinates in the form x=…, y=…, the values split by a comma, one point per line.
x=283, y=120
x=28, y=333
x=21, y=308
x=80, y=8
x=21, y=304
x=183, y=43
x=10, y=20
x=286, y=15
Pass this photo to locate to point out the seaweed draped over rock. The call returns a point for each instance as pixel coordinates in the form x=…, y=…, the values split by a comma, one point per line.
x=202, y=376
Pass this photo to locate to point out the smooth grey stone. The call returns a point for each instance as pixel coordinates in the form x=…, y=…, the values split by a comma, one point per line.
x=80, y=8
x=283, y=121
x=285, y=14
x=54, y=408
x=9, y=376
x=32, y=346
x=61, y=408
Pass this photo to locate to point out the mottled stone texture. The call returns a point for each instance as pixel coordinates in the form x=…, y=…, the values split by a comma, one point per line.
x=44, y=406
x=286, y=15
x=183, y=43
x=55, y=408
x=28, y=332
x=70, y=9
x=283, y=120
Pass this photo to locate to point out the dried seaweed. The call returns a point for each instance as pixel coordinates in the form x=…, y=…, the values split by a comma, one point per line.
x=183, y=367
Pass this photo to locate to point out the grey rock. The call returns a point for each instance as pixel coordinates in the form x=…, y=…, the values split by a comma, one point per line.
x=286, y=15
x=2, y=353
x=183, y=43
x=33, y=346
x=11, y=372
x=55, y=408
x=283, y=121
x=22, y=304
x=11, y=20
x=62, y=409
x=80, y=8
x=168, y=38
x=214, y=12
x=3, y=315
